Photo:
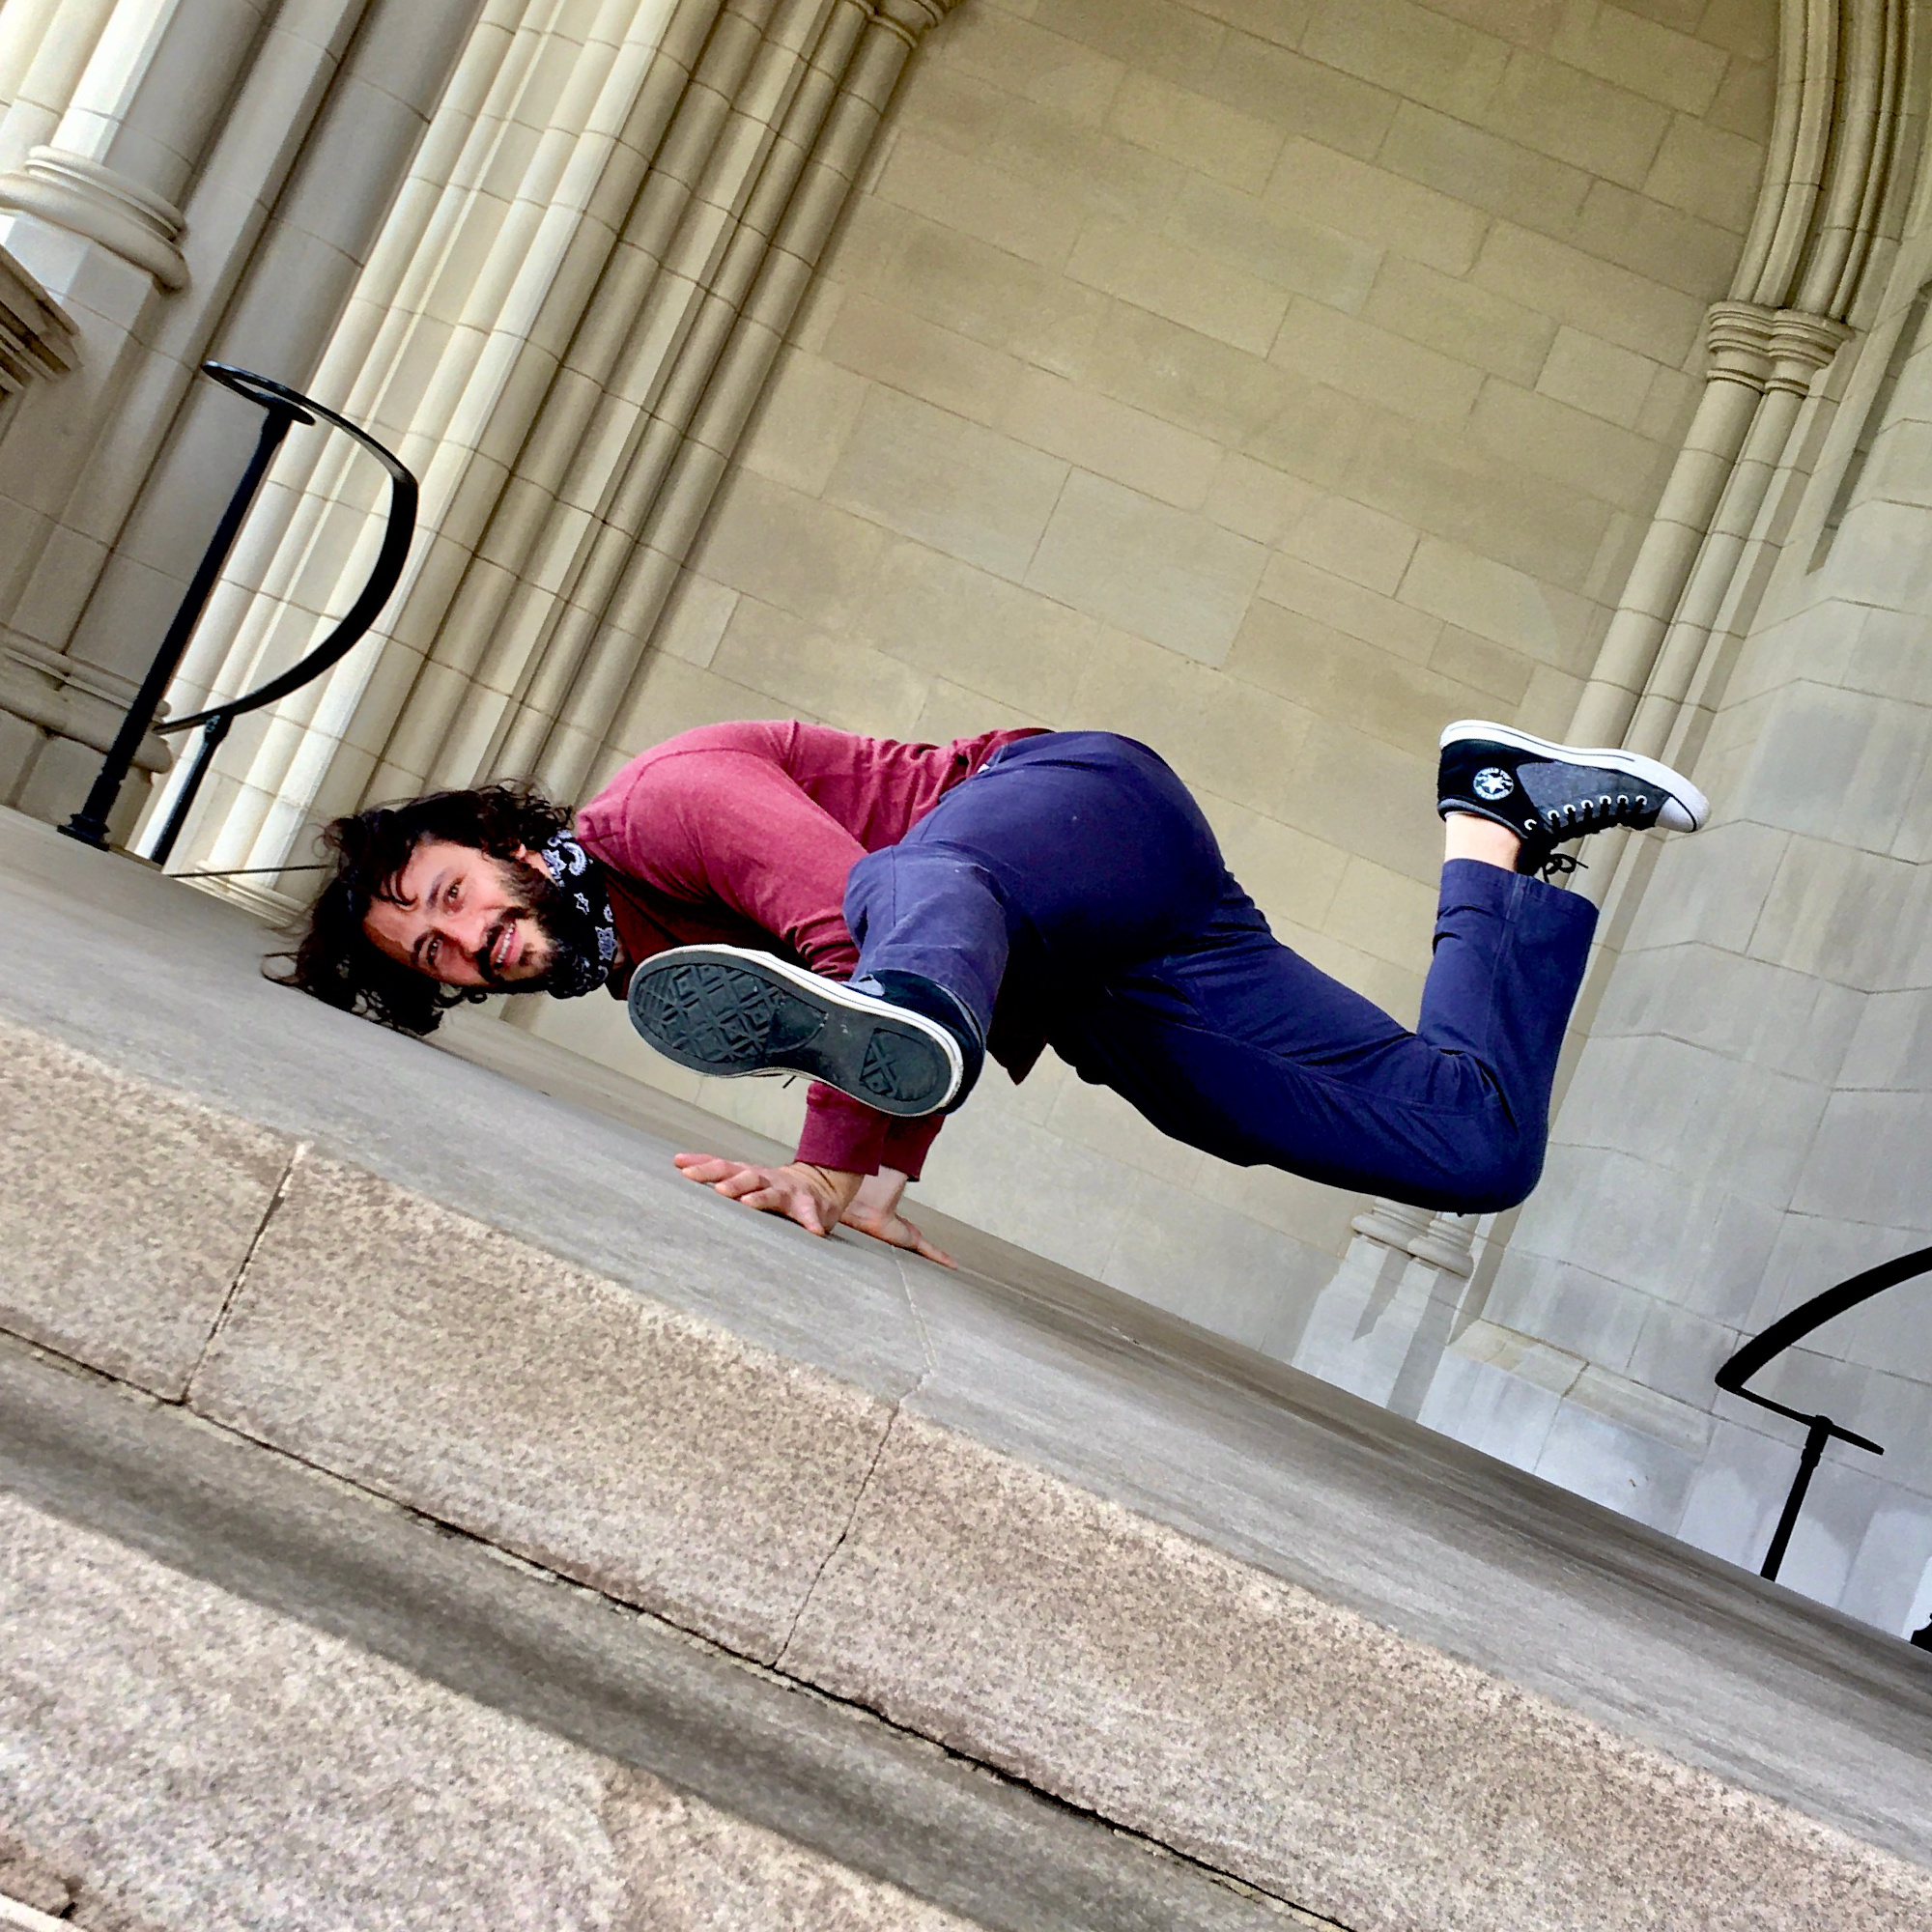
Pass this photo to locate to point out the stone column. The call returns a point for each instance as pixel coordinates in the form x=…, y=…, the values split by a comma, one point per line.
x=155, y=87
x=1736, y=337
x=534, y=178
x=836, y=117
x=297, y=280
x=1391, y=1224
x=1812, y=267
x=44, y=48
x=1795, y=347
x=1827, y=197
x=575, y=429
x=136, y=214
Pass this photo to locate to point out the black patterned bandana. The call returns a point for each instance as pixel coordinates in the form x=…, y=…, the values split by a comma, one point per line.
x=578, y=920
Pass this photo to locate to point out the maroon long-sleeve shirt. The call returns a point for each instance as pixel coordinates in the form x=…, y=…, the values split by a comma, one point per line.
x=745, y=834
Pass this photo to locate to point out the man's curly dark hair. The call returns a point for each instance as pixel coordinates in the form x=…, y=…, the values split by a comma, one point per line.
x=334, y=958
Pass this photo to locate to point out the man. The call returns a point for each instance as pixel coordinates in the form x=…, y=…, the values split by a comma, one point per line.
x=783, y=896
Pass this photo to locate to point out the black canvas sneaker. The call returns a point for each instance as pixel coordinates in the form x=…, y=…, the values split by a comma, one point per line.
x=1547, y=794
x=728, y=1011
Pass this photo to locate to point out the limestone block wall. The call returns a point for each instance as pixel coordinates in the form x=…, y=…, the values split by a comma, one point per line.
x=1272, y=380
x=1748, y=1121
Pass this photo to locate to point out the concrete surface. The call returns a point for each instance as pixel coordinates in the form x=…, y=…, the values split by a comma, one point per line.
x=653, y=1458
x=1088, y=1501
x=186, y=1759
x=135, y=1293
x=1075, y=1644
x=198, y=1503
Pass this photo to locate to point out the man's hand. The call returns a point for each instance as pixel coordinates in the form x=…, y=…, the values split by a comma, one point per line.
x=816, y=1198
x=876, y=1210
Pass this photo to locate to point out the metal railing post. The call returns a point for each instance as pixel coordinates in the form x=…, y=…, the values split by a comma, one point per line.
x=1786, y=1332
x=90, y=823
x=284, y=405
x=1815, y=1437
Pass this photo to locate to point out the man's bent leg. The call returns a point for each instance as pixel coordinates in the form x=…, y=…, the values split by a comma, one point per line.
x=1509, y=958
x=1236, y=1044
x=1079, y=846
x=1074, y=847
x=921, y=911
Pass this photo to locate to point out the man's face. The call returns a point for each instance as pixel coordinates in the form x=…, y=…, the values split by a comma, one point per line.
x=460, y=916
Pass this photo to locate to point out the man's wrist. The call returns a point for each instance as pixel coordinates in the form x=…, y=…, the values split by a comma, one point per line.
x=840, y=1183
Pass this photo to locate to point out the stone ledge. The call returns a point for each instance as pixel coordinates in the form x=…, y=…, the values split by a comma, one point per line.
x=956, y=1588
x=144, y=1479
x=180, y=1757
x=126, y=1212
x=606, y=1437
x=1049, y=1439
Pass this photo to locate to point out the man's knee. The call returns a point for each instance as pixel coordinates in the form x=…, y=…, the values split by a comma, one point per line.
x=1500, y=1175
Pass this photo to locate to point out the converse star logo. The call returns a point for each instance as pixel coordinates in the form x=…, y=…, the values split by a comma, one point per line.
x=1490, y=784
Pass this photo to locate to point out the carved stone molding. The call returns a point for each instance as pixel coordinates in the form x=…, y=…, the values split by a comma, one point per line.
x=1801, y=345
x=87, y=198
x=1770, y=348
x=1827, y=193
x=72, y=700
x=1394, y=1224
x=1737, y=339
x=1448, y=1243
x=1445, y=1242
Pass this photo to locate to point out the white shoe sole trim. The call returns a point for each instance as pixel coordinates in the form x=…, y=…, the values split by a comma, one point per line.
x=835, y=993
x=1607, y=758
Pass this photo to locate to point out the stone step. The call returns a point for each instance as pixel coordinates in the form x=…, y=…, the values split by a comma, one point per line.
x=163, y=1578
x=1254, y=1619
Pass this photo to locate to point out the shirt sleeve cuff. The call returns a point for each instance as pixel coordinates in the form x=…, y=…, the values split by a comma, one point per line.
x=841, y=1133
x=907, y=1142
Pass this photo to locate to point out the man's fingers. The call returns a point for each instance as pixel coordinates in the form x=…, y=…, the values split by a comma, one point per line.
x=770, y=1190
x=795, y=1204
x=896, y=1231
x=921, y=1247
x=706, y=1166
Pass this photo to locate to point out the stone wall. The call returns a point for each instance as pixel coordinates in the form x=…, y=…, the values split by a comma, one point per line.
x=1272, y=381
x=1747, y=1122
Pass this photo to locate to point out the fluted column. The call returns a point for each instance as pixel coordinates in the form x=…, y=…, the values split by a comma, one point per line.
x=1737, y=339
x=838, y=112
x=1824, y=198
x=297, y=280
x=1795, y=347
x=577, y=423
x=155, y=87
x=526, y=190
x=44, y=48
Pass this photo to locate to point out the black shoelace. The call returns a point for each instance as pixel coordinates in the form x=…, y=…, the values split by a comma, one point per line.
x=1590, y=814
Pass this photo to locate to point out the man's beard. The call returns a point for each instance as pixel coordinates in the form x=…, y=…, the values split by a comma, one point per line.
x=552, y=920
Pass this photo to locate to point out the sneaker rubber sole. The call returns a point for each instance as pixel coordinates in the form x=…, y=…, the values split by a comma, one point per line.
x=1691, y=803
x=729, y=1011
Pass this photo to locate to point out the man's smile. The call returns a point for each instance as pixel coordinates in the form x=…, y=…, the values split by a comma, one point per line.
x=506, y=945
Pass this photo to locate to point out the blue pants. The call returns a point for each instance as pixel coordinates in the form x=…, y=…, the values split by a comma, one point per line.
x=1074, y=878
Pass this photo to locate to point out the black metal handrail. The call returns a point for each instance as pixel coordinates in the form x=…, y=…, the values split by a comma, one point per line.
x=283, y=406
x=1786, y=1332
